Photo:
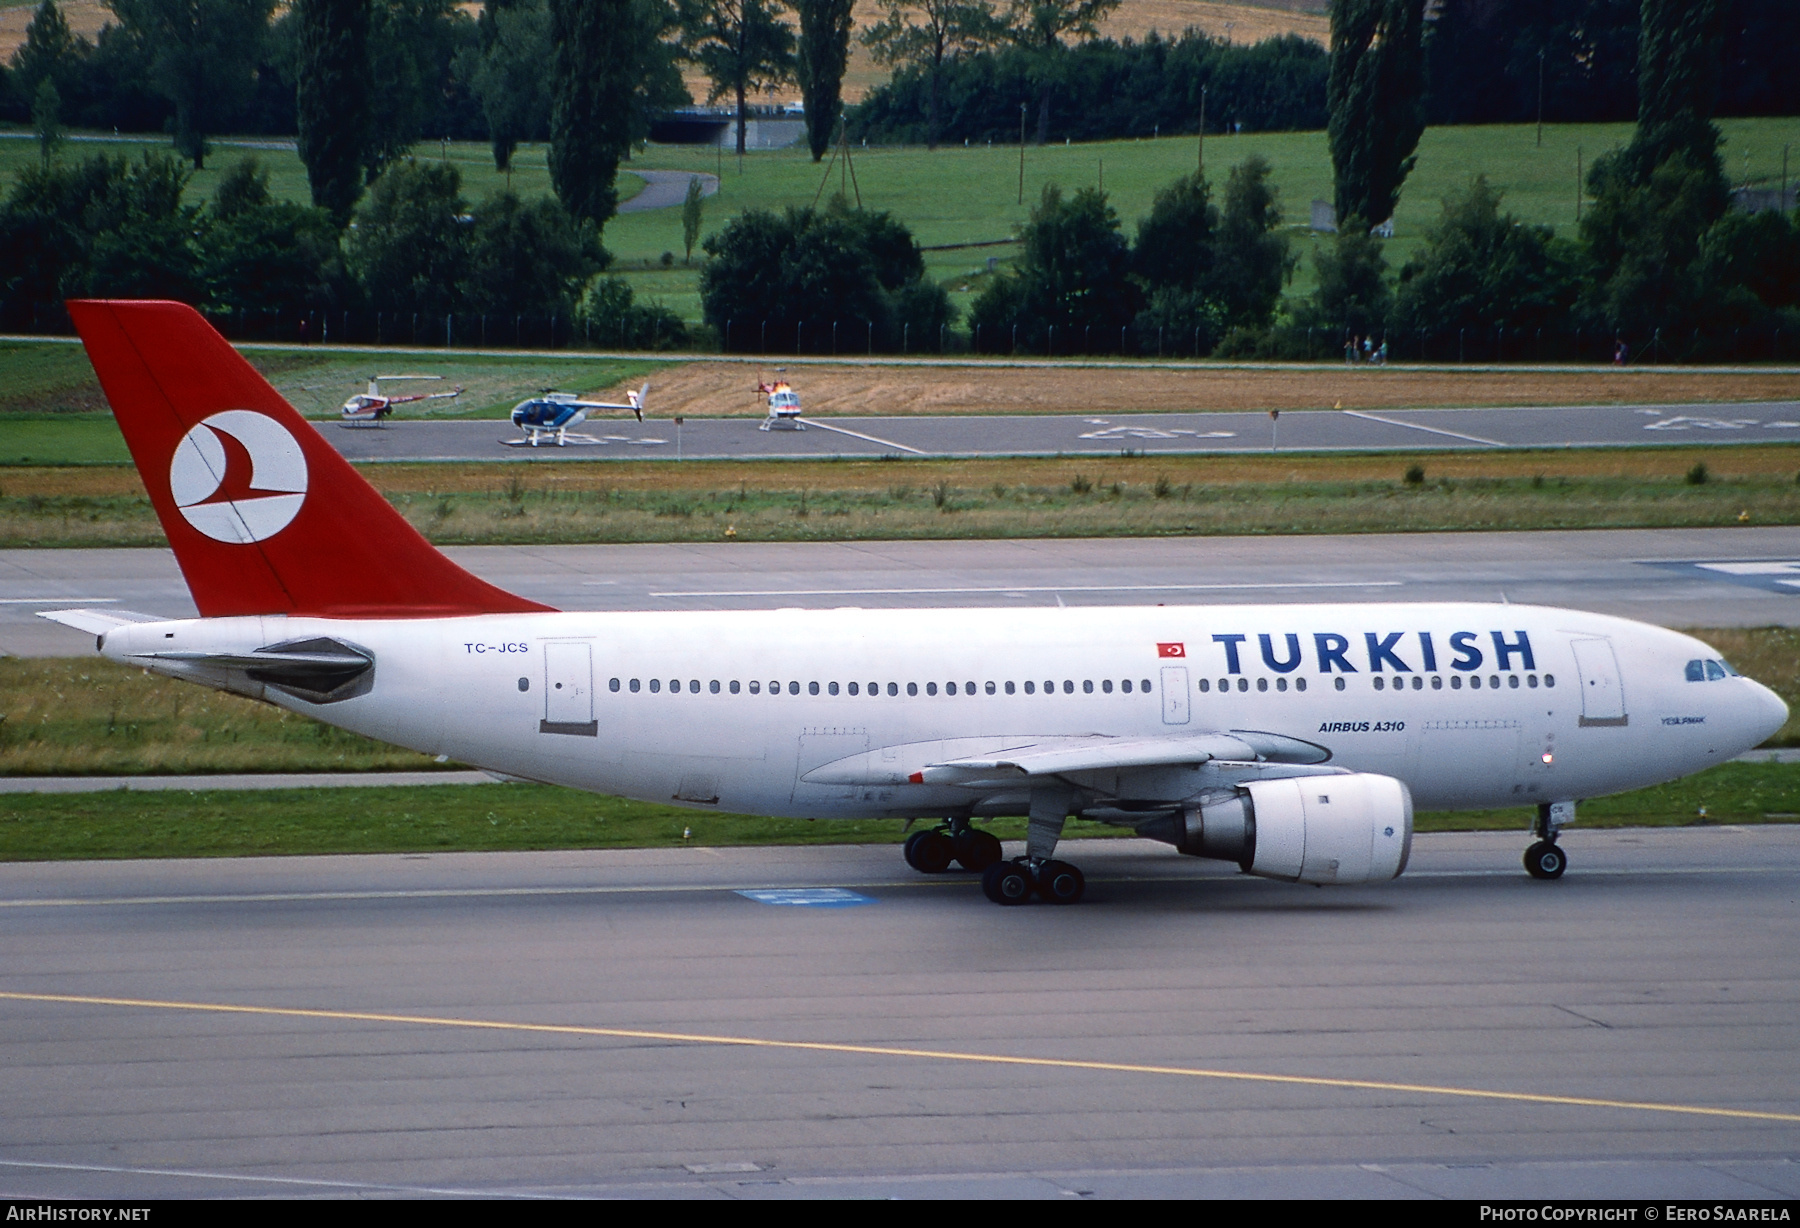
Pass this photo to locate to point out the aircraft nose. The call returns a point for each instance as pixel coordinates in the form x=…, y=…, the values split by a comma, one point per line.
x=1771, y=712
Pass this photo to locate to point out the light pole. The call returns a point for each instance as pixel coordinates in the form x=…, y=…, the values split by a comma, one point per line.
x=1202, y=166
x=1540, y=126
x=1021, y=153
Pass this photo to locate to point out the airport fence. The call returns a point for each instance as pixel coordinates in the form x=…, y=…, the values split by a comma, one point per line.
x=845, y=338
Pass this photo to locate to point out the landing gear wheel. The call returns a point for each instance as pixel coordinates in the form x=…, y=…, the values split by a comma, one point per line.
x=977, y=850
x=1006, y=882
x=1545, y=860
x=929, y=852
x=1058, y=882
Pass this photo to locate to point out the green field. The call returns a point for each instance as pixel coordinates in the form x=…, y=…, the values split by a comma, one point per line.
x=960, y=195
x=483, y=503
x=474, y=818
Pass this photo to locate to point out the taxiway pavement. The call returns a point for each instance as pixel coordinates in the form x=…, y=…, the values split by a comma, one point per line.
x=1100, y=434
x=1747, y=577
x=592, y=1024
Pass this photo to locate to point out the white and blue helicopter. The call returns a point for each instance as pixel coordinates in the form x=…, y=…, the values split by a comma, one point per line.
x=549, y=415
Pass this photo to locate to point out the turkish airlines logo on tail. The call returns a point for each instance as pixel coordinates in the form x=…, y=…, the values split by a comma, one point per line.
x=1171, y=650
x=238, y=477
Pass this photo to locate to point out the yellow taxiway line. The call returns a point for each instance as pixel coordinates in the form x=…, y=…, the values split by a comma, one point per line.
x=940, y=1055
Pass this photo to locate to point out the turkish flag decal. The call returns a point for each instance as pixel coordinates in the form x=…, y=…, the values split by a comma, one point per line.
x=1171, y=650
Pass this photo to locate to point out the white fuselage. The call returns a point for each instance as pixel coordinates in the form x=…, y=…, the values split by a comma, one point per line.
x=1473, y=706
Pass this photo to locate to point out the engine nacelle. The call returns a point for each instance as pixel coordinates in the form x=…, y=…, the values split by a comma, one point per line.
x=1350, y=828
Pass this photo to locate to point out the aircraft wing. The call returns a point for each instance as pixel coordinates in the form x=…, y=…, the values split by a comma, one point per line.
x=97, y=622
x=1005, y=761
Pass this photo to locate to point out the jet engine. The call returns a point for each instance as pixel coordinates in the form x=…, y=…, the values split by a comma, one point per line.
x=1350, y=828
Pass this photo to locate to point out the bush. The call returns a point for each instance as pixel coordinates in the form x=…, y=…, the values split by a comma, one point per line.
x=811, y=279
x=1481, y=268
x=1070, y=287
x=608, y=316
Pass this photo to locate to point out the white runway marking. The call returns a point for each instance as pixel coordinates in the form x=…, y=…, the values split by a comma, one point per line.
x=886, y=443
x=1357, y=413
x=1023, y=588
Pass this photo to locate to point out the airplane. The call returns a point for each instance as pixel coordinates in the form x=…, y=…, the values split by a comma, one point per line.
x=371, y=407
x=1293, y=740
x=784, y=406
x=549, y=415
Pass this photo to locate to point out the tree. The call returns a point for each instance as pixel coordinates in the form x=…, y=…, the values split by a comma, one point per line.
x=943, y=29
x=1481, y=268
x=261, y=255
x=824, y=53
x=413, y=46
x=1656, y=198
x=1377, y=77
x=741, y=45
x=1040, y=26
x=203, y=57
x=409, y=250
x=1482, y=61
x=693, y=212
x=331, y=95
x=1353, y=291
x=527, y=259
x=1072, y=276
x=1175, y=243
x=1251, y=261
x=50, y=52
x=46, y=118
x=507, y=75
x=857, y=268
x=599, y=49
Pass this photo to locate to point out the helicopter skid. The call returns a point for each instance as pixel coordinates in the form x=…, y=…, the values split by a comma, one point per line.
x=554, y=439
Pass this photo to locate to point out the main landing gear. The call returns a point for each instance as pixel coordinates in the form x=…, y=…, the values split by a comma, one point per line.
x=1012, y=882
x=1545, y=859
x=1054, y=882
x=932, y=851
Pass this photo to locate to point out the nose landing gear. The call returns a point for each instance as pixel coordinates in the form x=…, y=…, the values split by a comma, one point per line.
x=1545, y=858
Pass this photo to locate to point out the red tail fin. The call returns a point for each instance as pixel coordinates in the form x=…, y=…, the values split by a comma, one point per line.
x=264, y=515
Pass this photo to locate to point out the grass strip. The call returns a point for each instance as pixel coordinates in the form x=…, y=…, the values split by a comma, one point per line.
x=484, y=818
x=1121, y=496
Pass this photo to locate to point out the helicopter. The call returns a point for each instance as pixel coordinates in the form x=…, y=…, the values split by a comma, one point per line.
x=369, y=408
x=784, y=406
x=550, y=414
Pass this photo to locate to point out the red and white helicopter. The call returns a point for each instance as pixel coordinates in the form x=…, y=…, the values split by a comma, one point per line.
x=549, y=415
x=369, y=408
x=784, y=406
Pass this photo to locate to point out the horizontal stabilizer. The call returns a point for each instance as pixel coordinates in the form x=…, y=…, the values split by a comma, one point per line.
x=97, y=622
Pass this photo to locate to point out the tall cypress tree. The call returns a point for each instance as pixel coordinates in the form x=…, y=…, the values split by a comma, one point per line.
x=824, y=54
x=592, y=86
x=1680, y=59
x=331, y=97
x=1375, y=97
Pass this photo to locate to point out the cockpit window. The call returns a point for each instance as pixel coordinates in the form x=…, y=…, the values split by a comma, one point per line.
x=1710, y=671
